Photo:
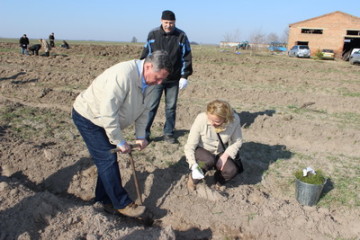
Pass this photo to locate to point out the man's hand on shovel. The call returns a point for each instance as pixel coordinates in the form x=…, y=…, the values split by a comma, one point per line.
x=124, y=148
x=141, y=144
x=127, y=148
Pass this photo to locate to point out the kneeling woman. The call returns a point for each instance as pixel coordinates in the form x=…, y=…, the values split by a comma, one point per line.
x=204, y=150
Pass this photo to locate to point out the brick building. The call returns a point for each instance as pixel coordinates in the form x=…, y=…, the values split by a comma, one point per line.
x=337, y=30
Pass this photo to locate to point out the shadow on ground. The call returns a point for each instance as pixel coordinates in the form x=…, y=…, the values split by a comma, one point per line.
x=248, y=118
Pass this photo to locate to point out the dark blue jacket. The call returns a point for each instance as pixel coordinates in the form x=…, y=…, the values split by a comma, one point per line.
x=177, y=45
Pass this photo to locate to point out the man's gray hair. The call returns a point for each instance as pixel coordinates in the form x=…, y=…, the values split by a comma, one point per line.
x=160, y=60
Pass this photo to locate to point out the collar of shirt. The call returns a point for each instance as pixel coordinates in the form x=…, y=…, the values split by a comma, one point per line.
x=221, y=128
x=140, y=65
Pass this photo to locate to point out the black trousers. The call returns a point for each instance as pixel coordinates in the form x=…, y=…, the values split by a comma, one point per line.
x=35, y=52
x=207, y=161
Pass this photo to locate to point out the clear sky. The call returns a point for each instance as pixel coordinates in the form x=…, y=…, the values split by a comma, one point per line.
x=204, y=22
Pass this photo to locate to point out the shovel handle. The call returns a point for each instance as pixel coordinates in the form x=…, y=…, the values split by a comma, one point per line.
x=136, y=181
x=132, y=147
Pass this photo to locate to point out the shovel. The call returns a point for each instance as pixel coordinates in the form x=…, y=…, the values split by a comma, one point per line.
x=132, y=146
x=147, y=220
x=135, y=179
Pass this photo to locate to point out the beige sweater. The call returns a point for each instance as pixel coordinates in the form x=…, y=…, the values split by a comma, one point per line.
x=202, y=134
x=115, y=100
x=45, y=45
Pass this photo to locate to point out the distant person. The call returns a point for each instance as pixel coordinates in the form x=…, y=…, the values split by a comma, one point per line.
x=45, y=46
x=173, y=40
x=203, y=149
x=65, y=45
x=52, y=40
x=24, y=42
x=34, y=49
x=116, y=99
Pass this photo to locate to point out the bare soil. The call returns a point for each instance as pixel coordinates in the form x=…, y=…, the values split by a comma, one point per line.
x=294, y=113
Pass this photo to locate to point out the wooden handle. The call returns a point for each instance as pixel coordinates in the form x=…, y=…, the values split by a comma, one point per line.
x=132, y=146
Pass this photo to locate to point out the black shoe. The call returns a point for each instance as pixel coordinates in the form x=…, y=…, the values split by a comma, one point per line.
x=219, y=179
x=169, y=139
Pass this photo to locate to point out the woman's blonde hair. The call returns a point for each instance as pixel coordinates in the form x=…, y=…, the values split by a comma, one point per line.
x=221, y=109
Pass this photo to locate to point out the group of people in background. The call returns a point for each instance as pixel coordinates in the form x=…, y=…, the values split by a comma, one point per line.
x=26, y=48
x=129, y=93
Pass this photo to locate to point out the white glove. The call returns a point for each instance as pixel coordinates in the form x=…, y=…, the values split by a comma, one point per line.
x=196, y=172
x=308, y=170
x=183, y=83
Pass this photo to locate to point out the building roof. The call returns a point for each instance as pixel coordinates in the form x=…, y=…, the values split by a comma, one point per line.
x=325, y=15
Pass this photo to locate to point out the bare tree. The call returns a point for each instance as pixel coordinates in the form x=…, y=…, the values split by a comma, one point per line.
x=272, y=37
x=285, y=36
x=232, y=37
x=227, y=37
x=257, y=37
x=134, y=40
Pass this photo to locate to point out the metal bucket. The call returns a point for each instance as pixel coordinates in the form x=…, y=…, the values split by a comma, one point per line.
x=308, y=194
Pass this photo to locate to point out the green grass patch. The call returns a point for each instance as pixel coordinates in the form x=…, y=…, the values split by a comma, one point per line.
x=348, y=93
x=5, y=50
x=317, y=178
x=346, y=119
x=297, y=109
x=29, y=123
x=342, y=174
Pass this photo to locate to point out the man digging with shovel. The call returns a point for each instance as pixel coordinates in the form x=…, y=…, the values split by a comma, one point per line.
x=117, y=98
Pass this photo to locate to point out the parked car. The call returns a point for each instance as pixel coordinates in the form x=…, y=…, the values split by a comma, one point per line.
x=299, y=51
x=347, y=53
x=328, y=54
x=355, y=57
x=277, y=47
x=354, y=50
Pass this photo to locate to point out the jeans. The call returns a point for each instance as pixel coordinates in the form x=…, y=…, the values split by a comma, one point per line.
x=109, y=188
x=171, y=95
x=24, y=51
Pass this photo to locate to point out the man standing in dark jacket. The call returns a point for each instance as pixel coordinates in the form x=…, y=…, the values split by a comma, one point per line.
x=24, y=42
x=173, y=40
x=52, y=40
